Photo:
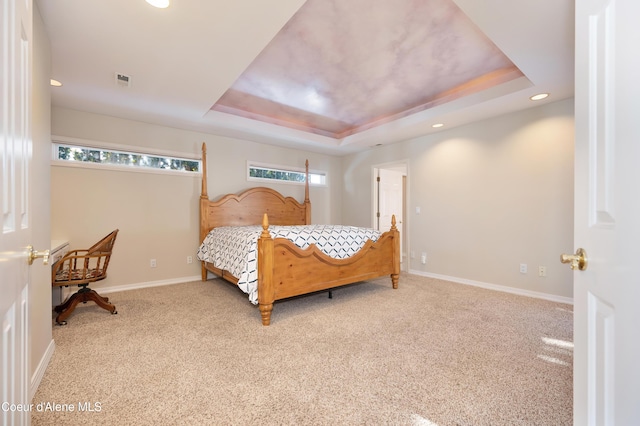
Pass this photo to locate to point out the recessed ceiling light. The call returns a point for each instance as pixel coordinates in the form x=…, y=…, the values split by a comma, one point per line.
x=539, y=96
x=55, y=83
x=435, y=126
x=159, y=3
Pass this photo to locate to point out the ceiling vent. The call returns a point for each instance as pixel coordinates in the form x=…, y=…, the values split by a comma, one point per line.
x=123, y=80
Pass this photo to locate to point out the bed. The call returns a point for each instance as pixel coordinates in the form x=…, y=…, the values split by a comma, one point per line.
x=282, y=268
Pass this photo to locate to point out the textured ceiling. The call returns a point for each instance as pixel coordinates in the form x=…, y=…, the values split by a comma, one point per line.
x=324, y=75
x=340, y=67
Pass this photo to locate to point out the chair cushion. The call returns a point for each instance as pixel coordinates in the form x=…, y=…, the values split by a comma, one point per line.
x=78, y=274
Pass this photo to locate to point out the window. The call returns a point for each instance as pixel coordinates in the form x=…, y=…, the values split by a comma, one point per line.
x=258, y=171
x=79, y=154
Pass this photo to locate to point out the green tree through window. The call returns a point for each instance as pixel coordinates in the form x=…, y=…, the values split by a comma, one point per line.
x=121, y=158
x=281, y=174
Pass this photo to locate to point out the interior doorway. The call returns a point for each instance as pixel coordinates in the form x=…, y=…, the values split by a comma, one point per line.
x=390, y=198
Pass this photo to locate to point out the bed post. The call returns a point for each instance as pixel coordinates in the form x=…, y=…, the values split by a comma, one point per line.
x=307, y=203
x=396, y=253
x=266, y=287
x=204, y=201
x=203, y=191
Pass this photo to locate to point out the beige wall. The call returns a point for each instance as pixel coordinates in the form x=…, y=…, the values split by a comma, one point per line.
x=40, y=288
x=492, y=194
x=157, y=214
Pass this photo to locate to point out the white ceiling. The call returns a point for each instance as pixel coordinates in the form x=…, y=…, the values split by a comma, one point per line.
x=183, y=59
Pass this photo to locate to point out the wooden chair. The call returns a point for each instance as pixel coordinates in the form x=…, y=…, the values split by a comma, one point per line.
x=81, y=268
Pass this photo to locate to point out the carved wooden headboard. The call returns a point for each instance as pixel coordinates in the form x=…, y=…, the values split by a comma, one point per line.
x=248, y=207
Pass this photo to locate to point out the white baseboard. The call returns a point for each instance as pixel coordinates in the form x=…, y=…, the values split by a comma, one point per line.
x=136, y=286
x=518, y=291
x=42, y=367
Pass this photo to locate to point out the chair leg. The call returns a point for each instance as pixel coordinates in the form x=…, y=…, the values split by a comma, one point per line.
x=66, y=308
x=103, y=302
x=83, y=295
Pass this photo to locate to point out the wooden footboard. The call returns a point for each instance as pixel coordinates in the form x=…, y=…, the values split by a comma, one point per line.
x=285, y=270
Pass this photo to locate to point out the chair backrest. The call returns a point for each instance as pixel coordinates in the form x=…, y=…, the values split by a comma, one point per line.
x=105, y=245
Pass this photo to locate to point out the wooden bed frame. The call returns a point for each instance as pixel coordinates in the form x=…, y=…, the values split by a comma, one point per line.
x=285, y=270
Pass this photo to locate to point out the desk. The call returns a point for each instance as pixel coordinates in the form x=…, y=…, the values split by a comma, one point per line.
x=58, y=249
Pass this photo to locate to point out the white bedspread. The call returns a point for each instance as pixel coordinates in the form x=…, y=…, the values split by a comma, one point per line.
x=234, y=248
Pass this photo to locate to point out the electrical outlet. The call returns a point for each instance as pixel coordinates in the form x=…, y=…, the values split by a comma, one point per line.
x=542, y=271
x=152, y=263
x=423, y=258
x=523, y=268
x=189, y=259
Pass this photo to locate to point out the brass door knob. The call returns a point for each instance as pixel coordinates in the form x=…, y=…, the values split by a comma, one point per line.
x=577, y=261
x=33, y=255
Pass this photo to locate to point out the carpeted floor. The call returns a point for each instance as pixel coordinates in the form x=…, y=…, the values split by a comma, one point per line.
x=429, y=353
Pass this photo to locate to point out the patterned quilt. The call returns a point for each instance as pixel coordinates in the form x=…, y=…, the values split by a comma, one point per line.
x=234, y=248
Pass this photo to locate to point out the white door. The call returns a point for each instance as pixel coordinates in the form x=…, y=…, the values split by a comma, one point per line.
x=15, y=157
x=607, y=213
x=391, y=201
x=390, y=198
